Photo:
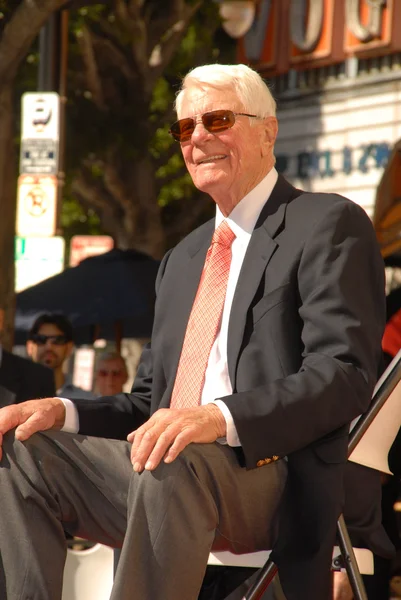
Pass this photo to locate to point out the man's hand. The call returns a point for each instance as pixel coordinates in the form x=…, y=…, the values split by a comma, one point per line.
x=30, y=417
x=170, y=430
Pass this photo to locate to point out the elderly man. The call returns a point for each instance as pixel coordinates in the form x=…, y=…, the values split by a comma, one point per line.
x=110, y=374
x=266, y=344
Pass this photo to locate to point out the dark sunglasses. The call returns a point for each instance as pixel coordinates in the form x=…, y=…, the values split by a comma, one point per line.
x=213, y=121
x=40, y=339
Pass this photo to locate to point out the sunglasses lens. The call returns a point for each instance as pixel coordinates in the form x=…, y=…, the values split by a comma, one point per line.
x=214, y=121
x=182, y=130
x=59, y=340
x=41, y=339
x=218, y=120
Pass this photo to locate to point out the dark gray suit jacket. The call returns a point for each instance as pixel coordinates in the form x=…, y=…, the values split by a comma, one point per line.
x=21, y=380
x=304, y=350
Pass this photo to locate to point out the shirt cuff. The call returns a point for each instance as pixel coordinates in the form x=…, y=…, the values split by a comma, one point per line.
x=231, y=435
x=71, y=423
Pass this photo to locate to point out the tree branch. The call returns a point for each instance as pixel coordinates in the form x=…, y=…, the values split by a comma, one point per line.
x=93, y=81
x=163, y=52
x=20, y=32
x=116, y=187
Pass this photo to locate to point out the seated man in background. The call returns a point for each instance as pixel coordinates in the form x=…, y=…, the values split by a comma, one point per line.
x=110, y=374
x=266, y=344
x=50, y=343
x=20, y=379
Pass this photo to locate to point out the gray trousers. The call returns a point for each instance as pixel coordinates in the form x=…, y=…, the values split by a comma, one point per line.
x=166, y=521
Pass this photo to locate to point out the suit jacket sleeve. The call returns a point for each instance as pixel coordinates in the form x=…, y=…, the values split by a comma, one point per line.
x=339, y=282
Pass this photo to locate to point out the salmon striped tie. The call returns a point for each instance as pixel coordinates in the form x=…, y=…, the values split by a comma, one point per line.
x=204, y=321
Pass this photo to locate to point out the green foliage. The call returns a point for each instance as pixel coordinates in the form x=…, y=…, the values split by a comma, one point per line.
x=76, y=220
x=130, y=125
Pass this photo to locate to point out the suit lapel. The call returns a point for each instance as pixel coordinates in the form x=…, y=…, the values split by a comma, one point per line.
x=259, y=252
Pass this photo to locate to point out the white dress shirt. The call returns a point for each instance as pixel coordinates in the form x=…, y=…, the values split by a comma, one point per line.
x=242, y=221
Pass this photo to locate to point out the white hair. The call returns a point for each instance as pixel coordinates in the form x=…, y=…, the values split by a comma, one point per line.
x=248, y=85
x=106, y=356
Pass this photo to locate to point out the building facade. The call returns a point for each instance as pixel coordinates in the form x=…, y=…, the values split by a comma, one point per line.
x=335, y=71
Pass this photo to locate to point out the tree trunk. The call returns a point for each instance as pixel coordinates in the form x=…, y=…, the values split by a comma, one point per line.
x=8, y=194
x=143, y=228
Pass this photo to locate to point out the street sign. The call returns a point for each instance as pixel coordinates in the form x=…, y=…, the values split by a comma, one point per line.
x=83, y=246
x=40, y=135
x=40, y=116
x=36, y=259
x=36, y=205
x=39, y=156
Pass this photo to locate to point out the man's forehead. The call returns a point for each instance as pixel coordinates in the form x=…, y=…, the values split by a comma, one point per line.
x=50, y=328
x=111, y=362
x=198, y=100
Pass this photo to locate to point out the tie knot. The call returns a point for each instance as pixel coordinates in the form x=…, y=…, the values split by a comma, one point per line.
x=223, y=235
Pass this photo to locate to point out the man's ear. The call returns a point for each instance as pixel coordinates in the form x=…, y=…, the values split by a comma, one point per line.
x=268, y=134
x=29, y=348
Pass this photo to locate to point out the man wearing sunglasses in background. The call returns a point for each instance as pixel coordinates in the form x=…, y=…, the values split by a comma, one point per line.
x=50, y=343
x=266, y=344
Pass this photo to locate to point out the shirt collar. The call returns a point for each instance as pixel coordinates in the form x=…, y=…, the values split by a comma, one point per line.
x=242, y=219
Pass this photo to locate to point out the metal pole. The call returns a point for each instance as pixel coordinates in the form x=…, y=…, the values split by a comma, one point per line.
x=47, y=75
x=52, y=77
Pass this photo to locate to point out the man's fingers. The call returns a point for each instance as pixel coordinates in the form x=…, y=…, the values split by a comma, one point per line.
x=181, y=441
x=159, y=450
x=143, y=446
x=131, y=436
x=31, y=426
x=1, y=445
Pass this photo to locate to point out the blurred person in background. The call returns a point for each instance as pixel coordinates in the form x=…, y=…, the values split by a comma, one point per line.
x=110, y=374
x=50, y=343
x=21, y=380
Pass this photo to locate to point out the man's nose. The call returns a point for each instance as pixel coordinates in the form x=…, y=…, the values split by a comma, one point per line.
x=200, y=132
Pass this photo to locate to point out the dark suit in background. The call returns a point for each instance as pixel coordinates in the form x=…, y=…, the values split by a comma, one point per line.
x=21, y=379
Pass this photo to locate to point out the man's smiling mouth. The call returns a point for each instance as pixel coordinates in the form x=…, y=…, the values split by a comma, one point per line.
x=213, y=158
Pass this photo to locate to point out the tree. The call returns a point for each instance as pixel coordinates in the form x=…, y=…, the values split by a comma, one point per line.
x=20, y=23
x=123, y=162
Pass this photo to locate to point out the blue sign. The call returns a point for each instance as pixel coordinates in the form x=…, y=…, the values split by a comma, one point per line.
x=319, y=163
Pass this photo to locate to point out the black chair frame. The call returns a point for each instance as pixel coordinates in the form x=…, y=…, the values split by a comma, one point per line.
x=384, y=389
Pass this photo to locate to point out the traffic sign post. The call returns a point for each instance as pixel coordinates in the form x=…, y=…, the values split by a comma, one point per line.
x=39, y=156
x=38, y=254
x=40, y=116
x=36, y=205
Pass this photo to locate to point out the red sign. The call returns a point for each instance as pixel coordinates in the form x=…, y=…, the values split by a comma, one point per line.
x=83, y=246
x=302, y=34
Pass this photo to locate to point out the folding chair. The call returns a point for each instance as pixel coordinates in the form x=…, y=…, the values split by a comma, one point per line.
x=371, y=437
x=88, y=574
